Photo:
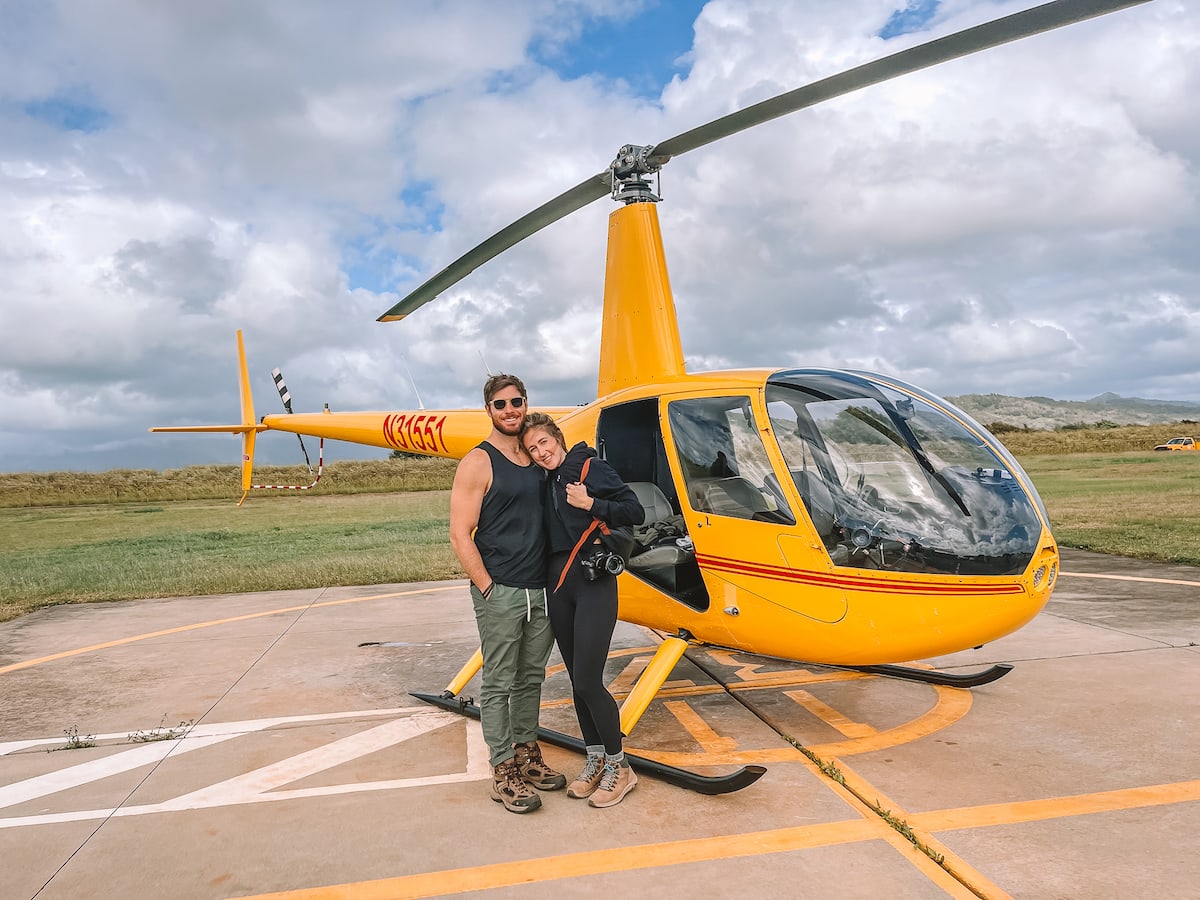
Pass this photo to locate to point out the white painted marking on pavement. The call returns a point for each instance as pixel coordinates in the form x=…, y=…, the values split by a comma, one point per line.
x=1131, y=578
x=236, y=728
x=260, y=785
x=268, y=778
x=94, y=770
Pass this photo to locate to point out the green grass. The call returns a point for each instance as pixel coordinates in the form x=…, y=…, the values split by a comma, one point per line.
x=116, y=551
x=1142, y=505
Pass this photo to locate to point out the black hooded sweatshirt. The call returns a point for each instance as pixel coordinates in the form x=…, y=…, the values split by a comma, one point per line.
x=615, y=503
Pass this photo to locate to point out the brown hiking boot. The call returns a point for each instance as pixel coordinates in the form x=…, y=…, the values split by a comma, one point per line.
x=588, y=780
x=616, y=781
x=509, y=788
x=534, y=769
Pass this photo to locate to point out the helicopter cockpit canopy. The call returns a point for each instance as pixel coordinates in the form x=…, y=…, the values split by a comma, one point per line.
x=893, y=479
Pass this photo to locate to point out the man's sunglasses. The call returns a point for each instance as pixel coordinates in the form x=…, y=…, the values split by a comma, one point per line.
x=501, y=402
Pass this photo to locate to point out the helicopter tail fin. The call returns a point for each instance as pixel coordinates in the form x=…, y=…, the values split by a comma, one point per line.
x=247, y=428
x=248, y=436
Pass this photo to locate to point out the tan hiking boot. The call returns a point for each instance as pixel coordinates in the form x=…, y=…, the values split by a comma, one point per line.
x=535, y=771
x=509, y=788
x=588, y=780
x=616, y=781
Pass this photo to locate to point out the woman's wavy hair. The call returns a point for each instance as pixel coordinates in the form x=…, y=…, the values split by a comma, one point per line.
x=544, y=422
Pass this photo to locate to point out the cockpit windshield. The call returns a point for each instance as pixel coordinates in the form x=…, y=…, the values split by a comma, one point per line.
x=893, y=482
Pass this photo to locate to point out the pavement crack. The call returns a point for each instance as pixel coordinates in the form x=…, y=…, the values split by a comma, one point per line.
x=198, y=721
x=831, y=771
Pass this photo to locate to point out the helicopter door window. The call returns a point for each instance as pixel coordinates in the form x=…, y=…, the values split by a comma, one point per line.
x=807, y=464
x=724, y=463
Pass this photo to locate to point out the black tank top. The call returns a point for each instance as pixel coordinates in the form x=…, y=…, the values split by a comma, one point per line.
x=511, y=536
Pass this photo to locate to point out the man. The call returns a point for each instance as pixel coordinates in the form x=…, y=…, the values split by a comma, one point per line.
x=497, y=532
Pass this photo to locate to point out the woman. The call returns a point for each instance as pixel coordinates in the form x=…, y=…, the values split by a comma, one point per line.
x=581, y=490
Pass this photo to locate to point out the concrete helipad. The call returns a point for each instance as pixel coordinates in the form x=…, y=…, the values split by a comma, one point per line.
x=265, y=744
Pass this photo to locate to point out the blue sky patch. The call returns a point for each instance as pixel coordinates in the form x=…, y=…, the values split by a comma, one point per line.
x=421, y=202
x=368, y=269
x=68, y=114
x=643, y=50
x=368, y=264
x=913, y=17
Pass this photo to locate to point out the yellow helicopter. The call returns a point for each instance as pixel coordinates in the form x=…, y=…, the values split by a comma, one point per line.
x=828, y=516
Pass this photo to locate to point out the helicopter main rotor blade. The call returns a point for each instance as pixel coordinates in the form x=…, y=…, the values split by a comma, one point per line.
x=962, y=43
x=564, y=204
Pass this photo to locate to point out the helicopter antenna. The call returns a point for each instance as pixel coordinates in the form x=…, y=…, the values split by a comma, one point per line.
x=625, y=177
x=486, y=367
x=413, y=381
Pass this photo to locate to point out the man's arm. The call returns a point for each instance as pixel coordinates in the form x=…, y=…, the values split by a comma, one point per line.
x=472, y=479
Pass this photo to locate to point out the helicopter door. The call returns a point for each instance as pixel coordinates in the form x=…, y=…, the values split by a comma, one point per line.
x=741, y=521
x=629, y=438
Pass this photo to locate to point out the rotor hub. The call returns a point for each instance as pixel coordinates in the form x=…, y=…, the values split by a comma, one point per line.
x=629, y=170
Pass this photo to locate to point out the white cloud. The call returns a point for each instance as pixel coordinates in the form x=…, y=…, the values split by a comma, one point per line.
x=1014, y=222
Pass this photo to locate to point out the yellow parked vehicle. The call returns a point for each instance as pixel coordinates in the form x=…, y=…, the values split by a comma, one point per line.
x=1179, y=443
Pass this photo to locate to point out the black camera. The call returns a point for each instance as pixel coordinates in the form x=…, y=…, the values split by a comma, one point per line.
x=601, y=562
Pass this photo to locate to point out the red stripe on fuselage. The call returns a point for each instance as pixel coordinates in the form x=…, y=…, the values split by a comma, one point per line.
x=850, y=582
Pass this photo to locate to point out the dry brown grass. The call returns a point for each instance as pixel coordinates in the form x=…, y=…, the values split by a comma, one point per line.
x=29, y=489
x=1119, y=439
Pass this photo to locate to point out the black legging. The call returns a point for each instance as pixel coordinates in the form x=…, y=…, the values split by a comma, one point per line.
x=583, y=614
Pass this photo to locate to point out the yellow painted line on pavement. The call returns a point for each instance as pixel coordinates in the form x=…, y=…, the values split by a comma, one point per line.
x=948, y=879
x=831, y=716
x=646, y=856
x=593, y=862
x=628, y=675
x=700, y=730
x=961, y=878
x=1059, y=807
x=952, y=704
x=963, y=872
x=166, y=631
x=1132, y=578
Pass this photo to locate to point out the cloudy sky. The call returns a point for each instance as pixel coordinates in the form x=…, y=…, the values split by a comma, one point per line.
x=1024, y=221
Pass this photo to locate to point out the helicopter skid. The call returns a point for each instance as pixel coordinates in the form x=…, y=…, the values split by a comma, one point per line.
x=692, y=781
x=933, y=676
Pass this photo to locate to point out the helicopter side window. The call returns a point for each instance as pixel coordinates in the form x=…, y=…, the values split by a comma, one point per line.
x=724, y=463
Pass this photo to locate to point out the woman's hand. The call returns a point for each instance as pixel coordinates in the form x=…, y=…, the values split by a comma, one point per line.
x=578, y=496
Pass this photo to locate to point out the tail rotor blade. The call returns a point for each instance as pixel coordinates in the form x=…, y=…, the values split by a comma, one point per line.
x=282, y=387
x=286, y=396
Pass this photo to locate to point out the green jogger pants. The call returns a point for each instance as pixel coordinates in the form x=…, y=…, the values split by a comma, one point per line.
x=515, y=634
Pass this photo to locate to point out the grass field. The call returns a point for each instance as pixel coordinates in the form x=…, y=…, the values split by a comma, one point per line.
x=82, y=554
x=1143, y=505
x=85, y=537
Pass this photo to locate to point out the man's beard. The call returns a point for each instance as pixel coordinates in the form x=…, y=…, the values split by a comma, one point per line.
x=506, y=429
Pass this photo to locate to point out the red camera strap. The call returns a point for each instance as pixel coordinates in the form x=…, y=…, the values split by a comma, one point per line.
x=583, y=538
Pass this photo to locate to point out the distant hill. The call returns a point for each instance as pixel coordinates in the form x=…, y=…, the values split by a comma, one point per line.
x=1042, y=413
